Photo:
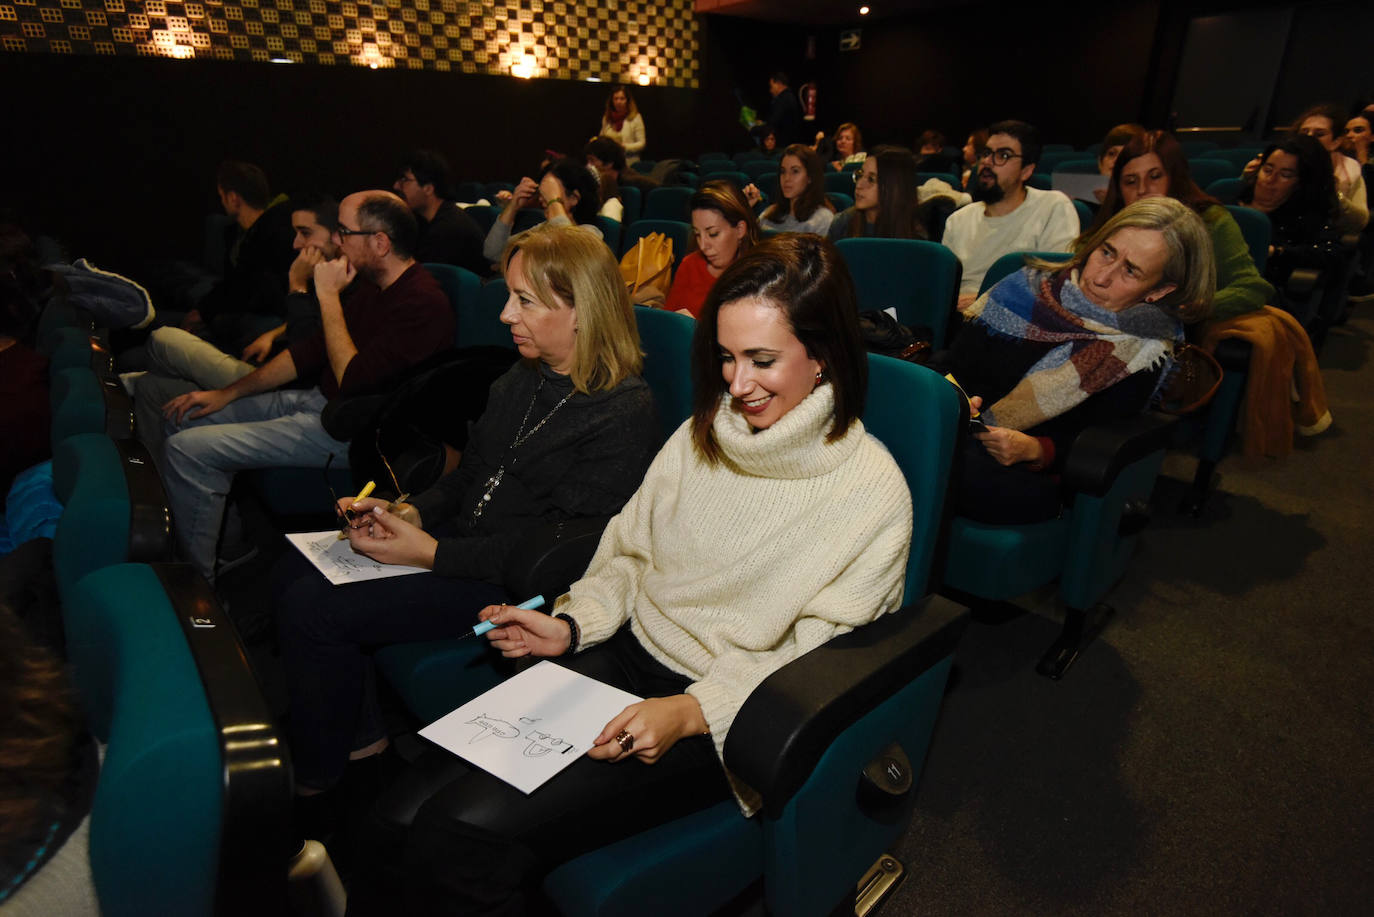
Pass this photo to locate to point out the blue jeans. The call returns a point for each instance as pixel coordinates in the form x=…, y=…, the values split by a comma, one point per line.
x=271, y=430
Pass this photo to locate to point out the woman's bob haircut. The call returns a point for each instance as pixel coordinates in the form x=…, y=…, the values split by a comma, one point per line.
x=804, y=276
x=1190, y=266
x=569, y=267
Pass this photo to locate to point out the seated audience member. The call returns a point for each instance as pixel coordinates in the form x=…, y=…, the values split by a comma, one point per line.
x=447, y=234
x=673, y=607
x=973, y=146
x=884, y=199
x=622, y=123
x=1325, y=123
x=607, y=158
x=1359, y=130
x=1006, y=215
x=930, y=153
x=50, y=767
x=1295, y=187
x=723, y=229
x=249, y=298
x=1116, y=138
x=804, y=207
x=567, y=191
x=24, y=412
x=179, y=362
x=1056, y=348
x=568, y=432
x=1153, y=165
x=848, y=146
x=395, y=317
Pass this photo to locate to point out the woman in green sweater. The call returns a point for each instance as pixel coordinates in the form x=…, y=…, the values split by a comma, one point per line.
x=1153, y=165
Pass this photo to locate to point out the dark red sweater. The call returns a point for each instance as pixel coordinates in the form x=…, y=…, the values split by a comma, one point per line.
x=393, y=329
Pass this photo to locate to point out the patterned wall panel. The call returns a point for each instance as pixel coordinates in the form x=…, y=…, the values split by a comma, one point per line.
x=635, y=41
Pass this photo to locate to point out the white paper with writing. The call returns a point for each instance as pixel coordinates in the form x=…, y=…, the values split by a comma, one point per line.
x=339, y=562
x=532, y=725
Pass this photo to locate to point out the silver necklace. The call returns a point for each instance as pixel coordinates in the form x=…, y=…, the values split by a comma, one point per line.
x=521, y=436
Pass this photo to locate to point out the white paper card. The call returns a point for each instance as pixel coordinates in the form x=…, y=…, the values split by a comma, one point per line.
x=339, y=562
x=1079, y=185
x=532, y=725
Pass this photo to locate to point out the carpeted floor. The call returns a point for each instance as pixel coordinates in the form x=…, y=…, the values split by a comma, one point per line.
x=1210, y=753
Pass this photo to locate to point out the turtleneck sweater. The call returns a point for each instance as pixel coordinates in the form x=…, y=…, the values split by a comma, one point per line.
x=728, y=571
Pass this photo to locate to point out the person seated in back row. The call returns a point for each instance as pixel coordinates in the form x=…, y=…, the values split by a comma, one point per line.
x=447, y=234
x=567, y=191
x=394, y=317
x=1006, y=215
x=723, y=229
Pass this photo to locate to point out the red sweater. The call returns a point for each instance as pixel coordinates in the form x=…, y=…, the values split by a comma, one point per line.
x=393, y=329
x=690, y=285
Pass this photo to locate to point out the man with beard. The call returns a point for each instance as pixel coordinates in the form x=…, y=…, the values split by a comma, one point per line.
x=1006, y=216
x=394, y=317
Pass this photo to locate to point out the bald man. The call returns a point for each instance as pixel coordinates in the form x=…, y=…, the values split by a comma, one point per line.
x=393, y=317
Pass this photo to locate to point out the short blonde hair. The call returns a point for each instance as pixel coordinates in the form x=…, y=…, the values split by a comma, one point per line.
x=1191, y=265
x=571, y=265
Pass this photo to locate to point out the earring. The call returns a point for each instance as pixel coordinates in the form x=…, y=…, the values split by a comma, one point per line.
x=820, y=377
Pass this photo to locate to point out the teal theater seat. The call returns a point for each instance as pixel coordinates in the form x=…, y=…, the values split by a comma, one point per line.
x=920, y=279
x=1205, y=171
x=840, y=200
x=192, y=807
x=434, y=677
x=1077, y=166
x=840, y=182
x=1108, y=477
x=113, y=507
x=461, y=286
x=1197, y=148
x=1226, y=190
x=667, y=204
x=807, y=734
x=633, y=201
x=948, y=178
x=77, y=401
x=610, y=231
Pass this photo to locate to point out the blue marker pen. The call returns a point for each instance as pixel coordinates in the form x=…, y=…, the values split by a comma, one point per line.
x=536, y=602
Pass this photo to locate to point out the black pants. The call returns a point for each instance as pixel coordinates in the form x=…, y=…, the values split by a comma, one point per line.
x=327, y=635
x=987, y=491
x=451, y=839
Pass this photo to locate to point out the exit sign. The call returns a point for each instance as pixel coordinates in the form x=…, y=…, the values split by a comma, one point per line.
x=850, y=39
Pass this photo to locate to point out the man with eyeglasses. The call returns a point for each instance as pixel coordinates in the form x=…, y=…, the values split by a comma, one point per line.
x=448, y=235
x=1006, y=215
x=394, y=317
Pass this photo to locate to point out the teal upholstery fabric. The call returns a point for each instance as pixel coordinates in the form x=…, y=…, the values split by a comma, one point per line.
x=1238, y=156
x=93, y=532
x=479, y=318
x=667, y=341
x=1012, y=262
x=1257, y=230
x=1192, y=148
x=1226, y=190
x=667, y=204
x=67, y=348
x=920, y=279
x=1005, y=561
x=840, y=182
x=632, y=199
x=1083, y=166
x=77, y=402
x=156, y=821
x=610, y=231
x=460, y=286
x=1206, y=171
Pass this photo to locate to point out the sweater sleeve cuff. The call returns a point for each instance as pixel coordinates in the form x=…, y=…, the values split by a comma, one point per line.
x=1047, y=454
x=594, y=624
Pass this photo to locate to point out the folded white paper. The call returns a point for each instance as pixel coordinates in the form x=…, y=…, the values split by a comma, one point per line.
x=339, y=562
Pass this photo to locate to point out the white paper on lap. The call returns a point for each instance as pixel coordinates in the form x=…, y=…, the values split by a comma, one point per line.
x=339, y=562
x=532, y=725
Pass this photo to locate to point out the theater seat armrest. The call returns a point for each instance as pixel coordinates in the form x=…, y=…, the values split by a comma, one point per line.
x=550, y=558
x=790, y=719
x=1302, y=282
x=1100, y=453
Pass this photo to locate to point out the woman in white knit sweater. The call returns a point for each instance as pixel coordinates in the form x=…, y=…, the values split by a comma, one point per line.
x=769, y=523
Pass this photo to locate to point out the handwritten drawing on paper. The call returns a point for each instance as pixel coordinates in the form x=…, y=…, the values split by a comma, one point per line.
x=339, y=563
x=531, y=726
